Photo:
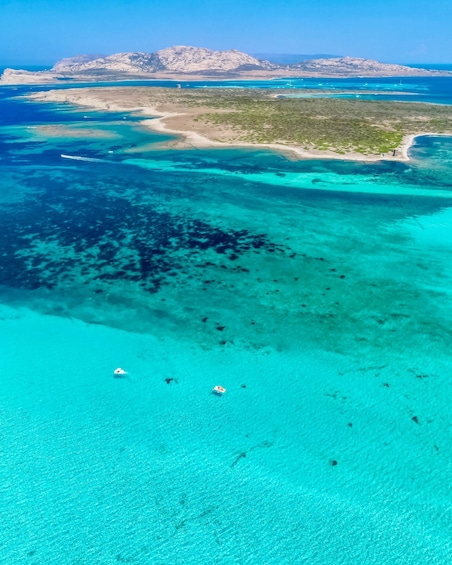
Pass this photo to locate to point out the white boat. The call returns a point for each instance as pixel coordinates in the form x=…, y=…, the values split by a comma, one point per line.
x=218, y=390
x=119, y=372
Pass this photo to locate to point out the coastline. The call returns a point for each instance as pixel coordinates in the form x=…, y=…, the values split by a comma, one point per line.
x=190, y=139
x=16, y=77
x=156, y=119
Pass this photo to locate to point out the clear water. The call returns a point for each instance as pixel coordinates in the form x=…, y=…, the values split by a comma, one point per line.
x=435, y=90
x=318, y=293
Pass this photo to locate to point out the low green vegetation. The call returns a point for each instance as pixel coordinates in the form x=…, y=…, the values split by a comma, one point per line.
x=340, y=125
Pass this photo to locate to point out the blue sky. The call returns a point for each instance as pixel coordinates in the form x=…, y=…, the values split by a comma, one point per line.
x=406, y=31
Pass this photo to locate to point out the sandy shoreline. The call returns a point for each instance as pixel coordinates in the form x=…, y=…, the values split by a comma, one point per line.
x=187, y=138
x=12, y=77
x=197, y=141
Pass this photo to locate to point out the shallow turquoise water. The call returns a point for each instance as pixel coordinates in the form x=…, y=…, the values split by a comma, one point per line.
x=430, y=89
x=318, y=293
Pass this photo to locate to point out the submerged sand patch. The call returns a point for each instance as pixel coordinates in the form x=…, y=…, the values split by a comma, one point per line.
x=74, y=132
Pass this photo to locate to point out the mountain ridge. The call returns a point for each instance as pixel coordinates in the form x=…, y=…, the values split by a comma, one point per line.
x=181, y=61
x=179, y=58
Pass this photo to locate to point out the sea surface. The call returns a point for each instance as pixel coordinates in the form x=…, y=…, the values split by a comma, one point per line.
x=432, y=90
x=318, y=293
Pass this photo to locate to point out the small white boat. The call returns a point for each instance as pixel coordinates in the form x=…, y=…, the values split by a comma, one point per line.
x=119, y=372
x=218, y=390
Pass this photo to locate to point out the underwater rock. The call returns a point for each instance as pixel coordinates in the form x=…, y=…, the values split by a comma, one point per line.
x=243, y=454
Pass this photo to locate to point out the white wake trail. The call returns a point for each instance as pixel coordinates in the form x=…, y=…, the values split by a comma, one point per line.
x=88, y=159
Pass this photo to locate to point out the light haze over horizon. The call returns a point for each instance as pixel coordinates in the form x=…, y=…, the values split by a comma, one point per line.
x=401, y=31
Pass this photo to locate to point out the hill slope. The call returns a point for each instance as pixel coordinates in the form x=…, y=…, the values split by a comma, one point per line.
x=184, y=62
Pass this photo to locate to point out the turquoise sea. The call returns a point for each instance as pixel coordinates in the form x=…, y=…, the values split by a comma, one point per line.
x=318, y=293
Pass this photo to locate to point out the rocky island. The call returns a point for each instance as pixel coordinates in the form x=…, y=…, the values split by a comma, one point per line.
x=191, y=63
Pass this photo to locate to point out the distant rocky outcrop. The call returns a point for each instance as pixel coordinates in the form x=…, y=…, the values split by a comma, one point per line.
x=13, y=76
x=197, y=59
x=119, y=63
x=178, y=61
x=69, y=63
x=291, y=58
x=352, y=66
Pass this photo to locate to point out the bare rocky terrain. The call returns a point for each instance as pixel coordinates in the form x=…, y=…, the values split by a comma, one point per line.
x=185, y=63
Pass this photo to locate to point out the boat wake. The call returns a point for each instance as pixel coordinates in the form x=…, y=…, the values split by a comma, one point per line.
x=88, y=159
